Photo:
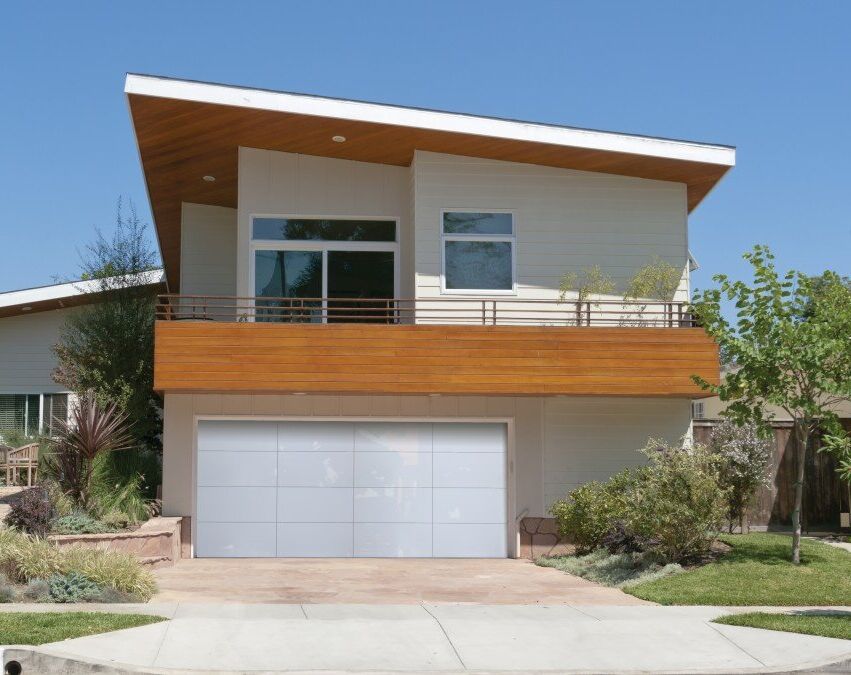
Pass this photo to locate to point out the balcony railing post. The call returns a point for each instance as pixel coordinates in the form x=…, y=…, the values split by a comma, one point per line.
x=493, y=311
x=484, y=313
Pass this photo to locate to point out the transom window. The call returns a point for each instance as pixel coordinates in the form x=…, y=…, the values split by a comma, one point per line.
x=478, y=252
x=321, y=269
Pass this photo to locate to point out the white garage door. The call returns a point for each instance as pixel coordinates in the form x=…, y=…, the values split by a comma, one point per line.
x=341, y=489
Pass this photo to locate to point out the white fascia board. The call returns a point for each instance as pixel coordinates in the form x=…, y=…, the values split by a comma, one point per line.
x=72, y=289
x=301, y=104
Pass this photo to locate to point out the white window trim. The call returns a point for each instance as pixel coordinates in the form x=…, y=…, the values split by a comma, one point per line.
x=511, y=239
x=322, y=246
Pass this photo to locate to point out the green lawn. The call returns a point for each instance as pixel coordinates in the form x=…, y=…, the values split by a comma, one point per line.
x=36, y=628
x=757, y=572
x=826, y=626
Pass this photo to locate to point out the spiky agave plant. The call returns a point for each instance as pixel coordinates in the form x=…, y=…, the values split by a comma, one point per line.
x=93, y=428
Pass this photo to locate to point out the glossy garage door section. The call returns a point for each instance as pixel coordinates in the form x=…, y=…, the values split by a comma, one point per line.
x=343, y=489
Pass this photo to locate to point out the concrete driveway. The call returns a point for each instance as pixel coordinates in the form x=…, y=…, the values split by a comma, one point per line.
x=379, y=581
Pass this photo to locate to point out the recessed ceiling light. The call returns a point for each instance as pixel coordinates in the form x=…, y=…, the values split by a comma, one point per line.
x=434, y=395
x=299, y=393
x=210, y=179
x=338, y=139
x=27, y=308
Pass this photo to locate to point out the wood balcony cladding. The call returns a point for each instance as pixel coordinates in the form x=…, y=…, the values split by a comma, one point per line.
x=209, y=356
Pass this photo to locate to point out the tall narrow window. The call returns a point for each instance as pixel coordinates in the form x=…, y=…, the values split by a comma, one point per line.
x=478, y=252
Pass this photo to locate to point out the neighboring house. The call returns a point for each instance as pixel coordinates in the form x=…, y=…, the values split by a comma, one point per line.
x=364, y=352
x=31, y=321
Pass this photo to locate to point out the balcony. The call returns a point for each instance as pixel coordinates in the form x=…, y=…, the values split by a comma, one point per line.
x=453, y=346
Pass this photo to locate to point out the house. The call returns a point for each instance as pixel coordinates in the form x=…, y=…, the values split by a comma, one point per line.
x=363, y=351
x=31, y=321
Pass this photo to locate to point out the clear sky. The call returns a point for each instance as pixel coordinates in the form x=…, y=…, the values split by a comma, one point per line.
x=771, y=78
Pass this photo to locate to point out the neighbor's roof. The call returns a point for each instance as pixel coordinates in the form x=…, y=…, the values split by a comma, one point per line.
x=186, y=130
x=59, y=296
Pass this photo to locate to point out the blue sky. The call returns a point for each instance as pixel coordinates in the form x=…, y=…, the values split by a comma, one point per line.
x=768, y=77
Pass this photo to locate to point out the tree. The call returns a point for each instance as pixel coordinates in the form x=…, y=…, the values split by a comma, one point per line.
x=657, y=280
x=791, y=348
x=745, y=451
x=106, y=348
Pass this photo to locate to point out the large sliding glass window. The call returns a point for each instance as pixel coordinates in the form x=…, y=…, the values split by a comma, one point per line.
x=32, y=414
x=324, y=270
x=478, y=252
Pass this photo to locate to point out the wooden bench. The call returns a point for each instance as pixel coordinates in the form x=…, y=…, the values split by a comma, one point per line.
x=19, y=460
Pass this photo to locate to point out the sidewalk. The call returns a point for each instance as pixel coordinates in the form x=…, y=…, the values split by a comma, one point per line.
x=446, y=637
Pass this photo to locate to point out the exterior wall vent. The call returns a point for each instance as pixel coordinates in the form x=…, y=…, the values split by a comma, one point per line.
x=697, y=410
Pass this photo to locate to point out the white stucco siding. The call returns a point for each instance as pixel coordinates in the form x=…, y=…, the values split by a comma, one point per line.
x=565, y=220
x=207, y=250
x=592, y=438
x=287, y=184
x=26, y=352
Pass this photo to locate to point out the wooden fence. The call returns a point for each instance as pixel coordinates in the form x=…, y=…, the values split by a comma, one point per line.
x=825, y=495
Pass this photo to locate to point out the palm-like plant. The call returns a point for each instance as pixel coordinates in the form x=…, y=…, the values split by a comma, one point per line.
x=93, y=429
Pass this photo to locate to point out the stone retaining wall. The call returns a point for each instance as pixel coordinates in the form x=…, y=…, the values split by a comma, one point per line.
x=156, y=542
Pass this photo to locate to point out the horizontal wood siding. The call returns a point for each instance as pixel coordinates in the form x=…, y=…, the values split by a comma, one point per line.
x=419, y=359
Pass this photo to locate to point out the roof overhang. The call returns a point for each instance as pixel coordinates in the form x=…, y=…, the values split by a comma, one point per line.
x=71, y=294
x=186, y=130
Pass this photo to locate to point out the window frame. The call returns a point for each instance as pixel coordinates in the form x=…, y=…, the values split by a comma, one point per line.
x=322, y=246
x=509, y=238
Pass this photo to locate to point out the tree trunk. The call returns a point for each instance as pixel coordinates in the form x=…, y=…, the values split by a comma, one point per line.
x=802, y=434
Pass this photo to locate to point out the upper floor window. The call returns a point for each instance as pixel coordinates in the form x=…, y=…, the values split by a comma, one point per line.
x=478, y=252
x=316, y=229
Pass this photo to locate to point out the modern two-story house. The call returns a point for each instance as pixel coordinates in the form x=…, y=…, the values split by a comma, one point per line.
x=364, y=351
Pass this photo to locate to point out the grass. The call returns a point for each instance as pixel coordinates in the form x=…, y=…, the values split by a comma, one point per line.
x=37, y=628
x=757, y=571
x=824, y=625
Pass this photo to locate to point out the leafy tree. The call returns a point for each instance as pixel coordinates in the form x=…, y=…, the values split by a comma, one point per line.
x=106, y=348
x=593, y=281
x=745, y=451
x=791, y=348
x=657, y=280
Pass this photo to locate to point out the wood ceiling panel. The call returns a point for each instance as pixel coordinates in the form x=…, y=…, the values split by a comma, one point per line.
x=182, y=141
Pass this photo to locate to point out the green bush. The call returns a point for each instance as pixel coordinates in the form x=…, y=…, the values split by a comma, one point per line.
x=672, y=508
x=79, y=523
x=71, y=587
x=7, y=591
x=24, y=558
x=590, y=511
x=613, y=569
x=679, y=504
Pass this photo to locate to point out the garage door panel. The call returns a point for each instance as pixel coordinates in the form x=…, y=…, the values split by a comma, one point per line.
x=233, y=469
x=469, y=469
x=237, y=436
x=315, y=469
x=236, y=504
x=469, y=541
x=393, y=505
x=314, y=505
x=315, y=437
x=393, y=540
x=393, y=469
x=464, y=505
x=235, y=540
x=462, y=437
x=315, y=540
x=393, y=437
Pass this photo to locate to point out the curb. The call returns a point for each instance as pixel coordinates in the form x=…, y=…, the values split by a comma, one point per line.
x=54, y=662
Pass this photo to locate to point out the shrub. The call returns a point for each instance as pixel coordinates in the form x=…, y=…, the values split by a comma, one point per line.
x=36, y=590
x=7, y=591
x=71, y=587
x=679, y=503
x=115, y=520
x=590, y=510
x=745, y=451
x=24, y=558
x=79, y=523
x=32, y=512
x=612, y=569
x=622, y=539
